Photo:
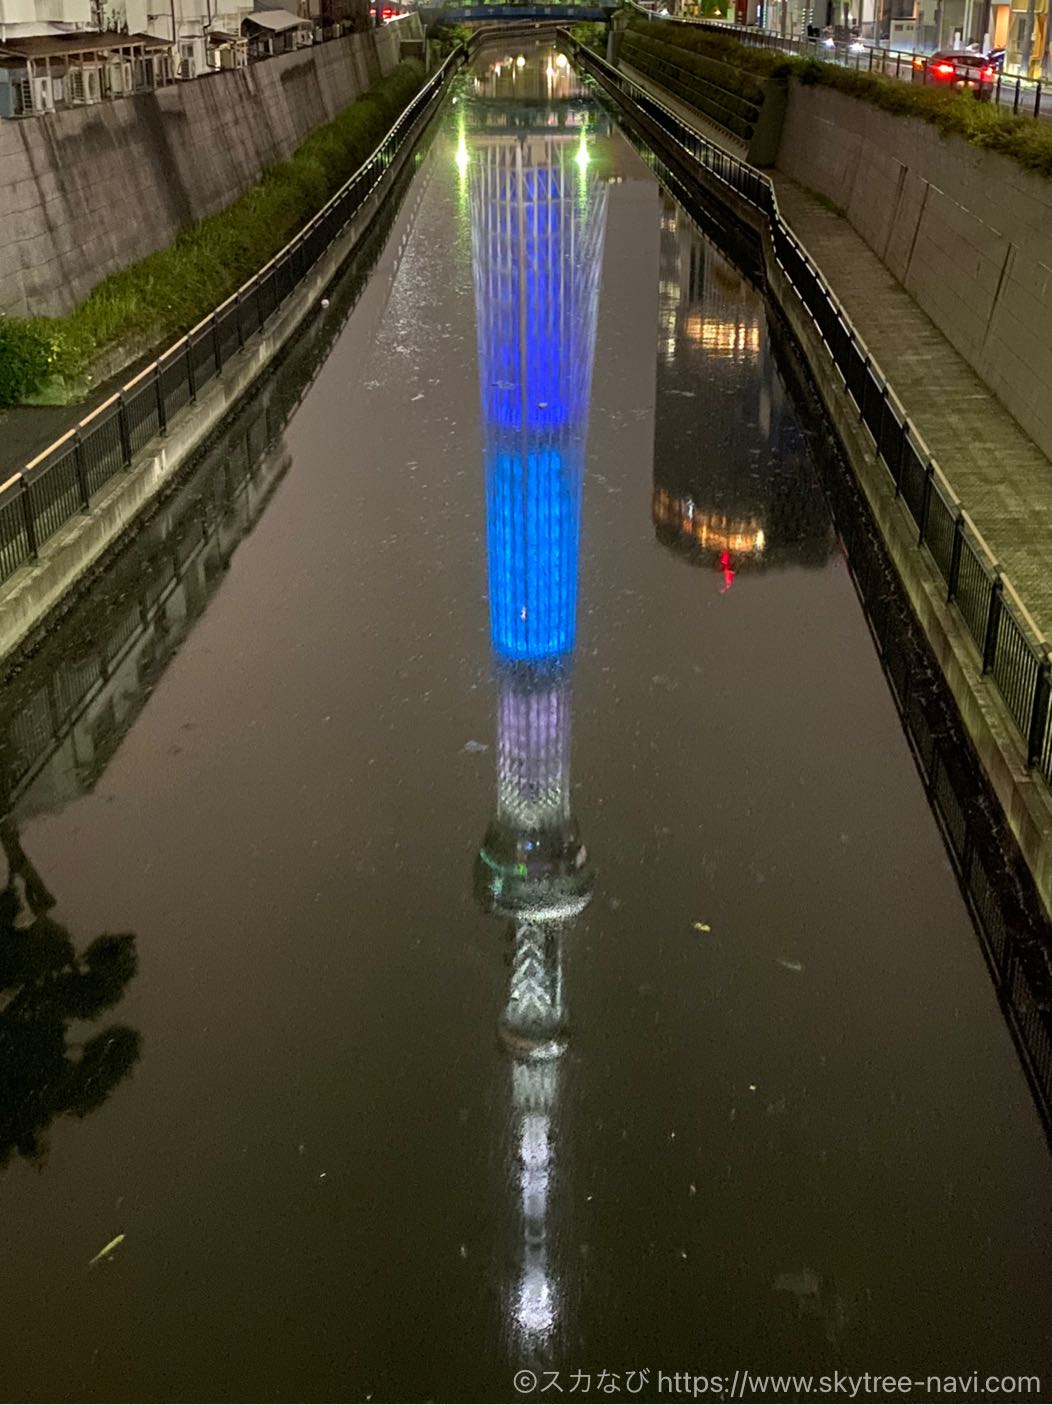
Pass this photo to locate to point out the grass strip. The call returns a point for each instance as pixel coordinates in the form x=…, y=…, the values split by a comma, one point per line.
x=982, y=124
x=168, y=292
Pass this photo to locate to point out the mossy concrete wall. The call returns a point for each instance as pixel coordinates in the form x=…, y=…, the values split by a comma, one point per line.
x=968, y=234
x=29, y=597
x=90, y=190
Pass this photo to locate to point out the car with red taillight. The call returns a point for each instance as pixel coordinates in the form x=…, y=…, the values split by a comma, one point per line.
x=972, y=73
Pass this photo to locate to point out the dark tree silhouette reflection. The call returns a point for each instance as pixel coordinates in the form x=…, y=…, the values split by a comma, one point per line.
x=45, y=986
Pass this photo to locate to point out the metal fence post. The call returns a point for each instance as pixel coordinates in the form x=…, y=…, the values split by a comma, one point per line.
x=904, y=439
x=125, y=432
x=27, y=520
x=993, y=624
x=191, y=379
x=162, y=409
x=1039, y=713
x=955, y=557
x=78, y=469
x=216, y=353
x=929, y=478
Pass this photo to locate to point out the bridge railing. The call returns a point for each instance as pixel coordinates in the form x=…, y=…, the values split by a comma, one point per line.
x=66, y=479
x=1011, y=649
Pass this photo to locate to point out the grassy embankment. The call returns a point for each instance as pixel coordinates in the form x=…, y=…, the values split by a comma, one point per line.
x=982, y=124
x=157, y=299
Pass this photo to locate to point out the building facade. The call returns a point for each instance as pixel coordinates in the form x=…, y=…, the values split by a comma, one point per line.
x=21, y=19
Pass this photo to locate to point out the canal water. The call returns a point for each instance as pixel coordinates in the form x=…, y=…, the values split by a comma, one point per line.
x=471, y=908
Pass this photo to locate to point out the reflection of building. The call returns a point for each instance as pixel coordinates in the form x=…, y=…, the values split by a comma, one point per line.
x=509, y=76
x=732, y=491
x=538, y=217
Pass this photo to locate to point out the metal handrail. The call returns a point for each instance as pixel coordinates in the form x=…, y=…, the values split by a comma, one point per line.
x=1027, y=97
x=916, y=475
x=61, y=481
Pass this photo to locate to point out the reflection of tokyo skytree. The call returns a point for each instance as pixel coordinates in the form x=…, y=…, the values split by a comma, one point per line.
x=537, y=218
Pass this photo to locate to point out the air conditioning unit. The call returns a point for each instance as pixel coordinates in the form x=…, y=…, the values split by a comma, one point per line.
x=43, y=97
x=83, y=85
x=119, y=79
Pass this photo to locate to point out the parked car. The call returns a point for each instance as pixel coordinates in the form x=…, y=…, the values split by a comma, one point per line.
x=954, y=69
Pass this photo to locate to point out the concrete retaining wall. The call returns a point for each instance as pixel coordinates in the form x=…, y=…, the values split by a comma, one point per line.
x=91, y=190
x=967, y=232
x=29, y=597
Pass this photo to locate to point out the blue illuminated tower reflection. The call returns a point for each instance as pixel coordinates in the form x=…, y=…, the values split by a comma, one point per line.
x=538, y=214
x=537, y=217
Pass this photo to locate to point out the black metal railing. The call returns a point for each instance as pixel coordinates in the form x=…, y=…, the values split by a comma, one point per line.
x=1024, y=97
x=1011, y=649
x=62, y=482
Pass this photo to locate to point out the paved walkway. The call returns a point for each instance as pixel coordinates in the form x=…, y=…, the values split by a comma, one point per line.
x=1001, y=476
x=27, y=430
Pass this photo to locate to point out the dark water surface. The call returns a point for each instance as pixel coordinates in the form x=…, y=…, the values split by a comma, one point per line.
x=528, y=942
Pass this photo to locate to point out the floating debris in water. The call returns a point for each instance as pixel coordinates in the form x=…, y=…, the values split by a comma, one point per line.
x=473, y=746
x=662, y=680
x=702, y=927
x=106, y=1250
x=805, y=1284
x=796, y=966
